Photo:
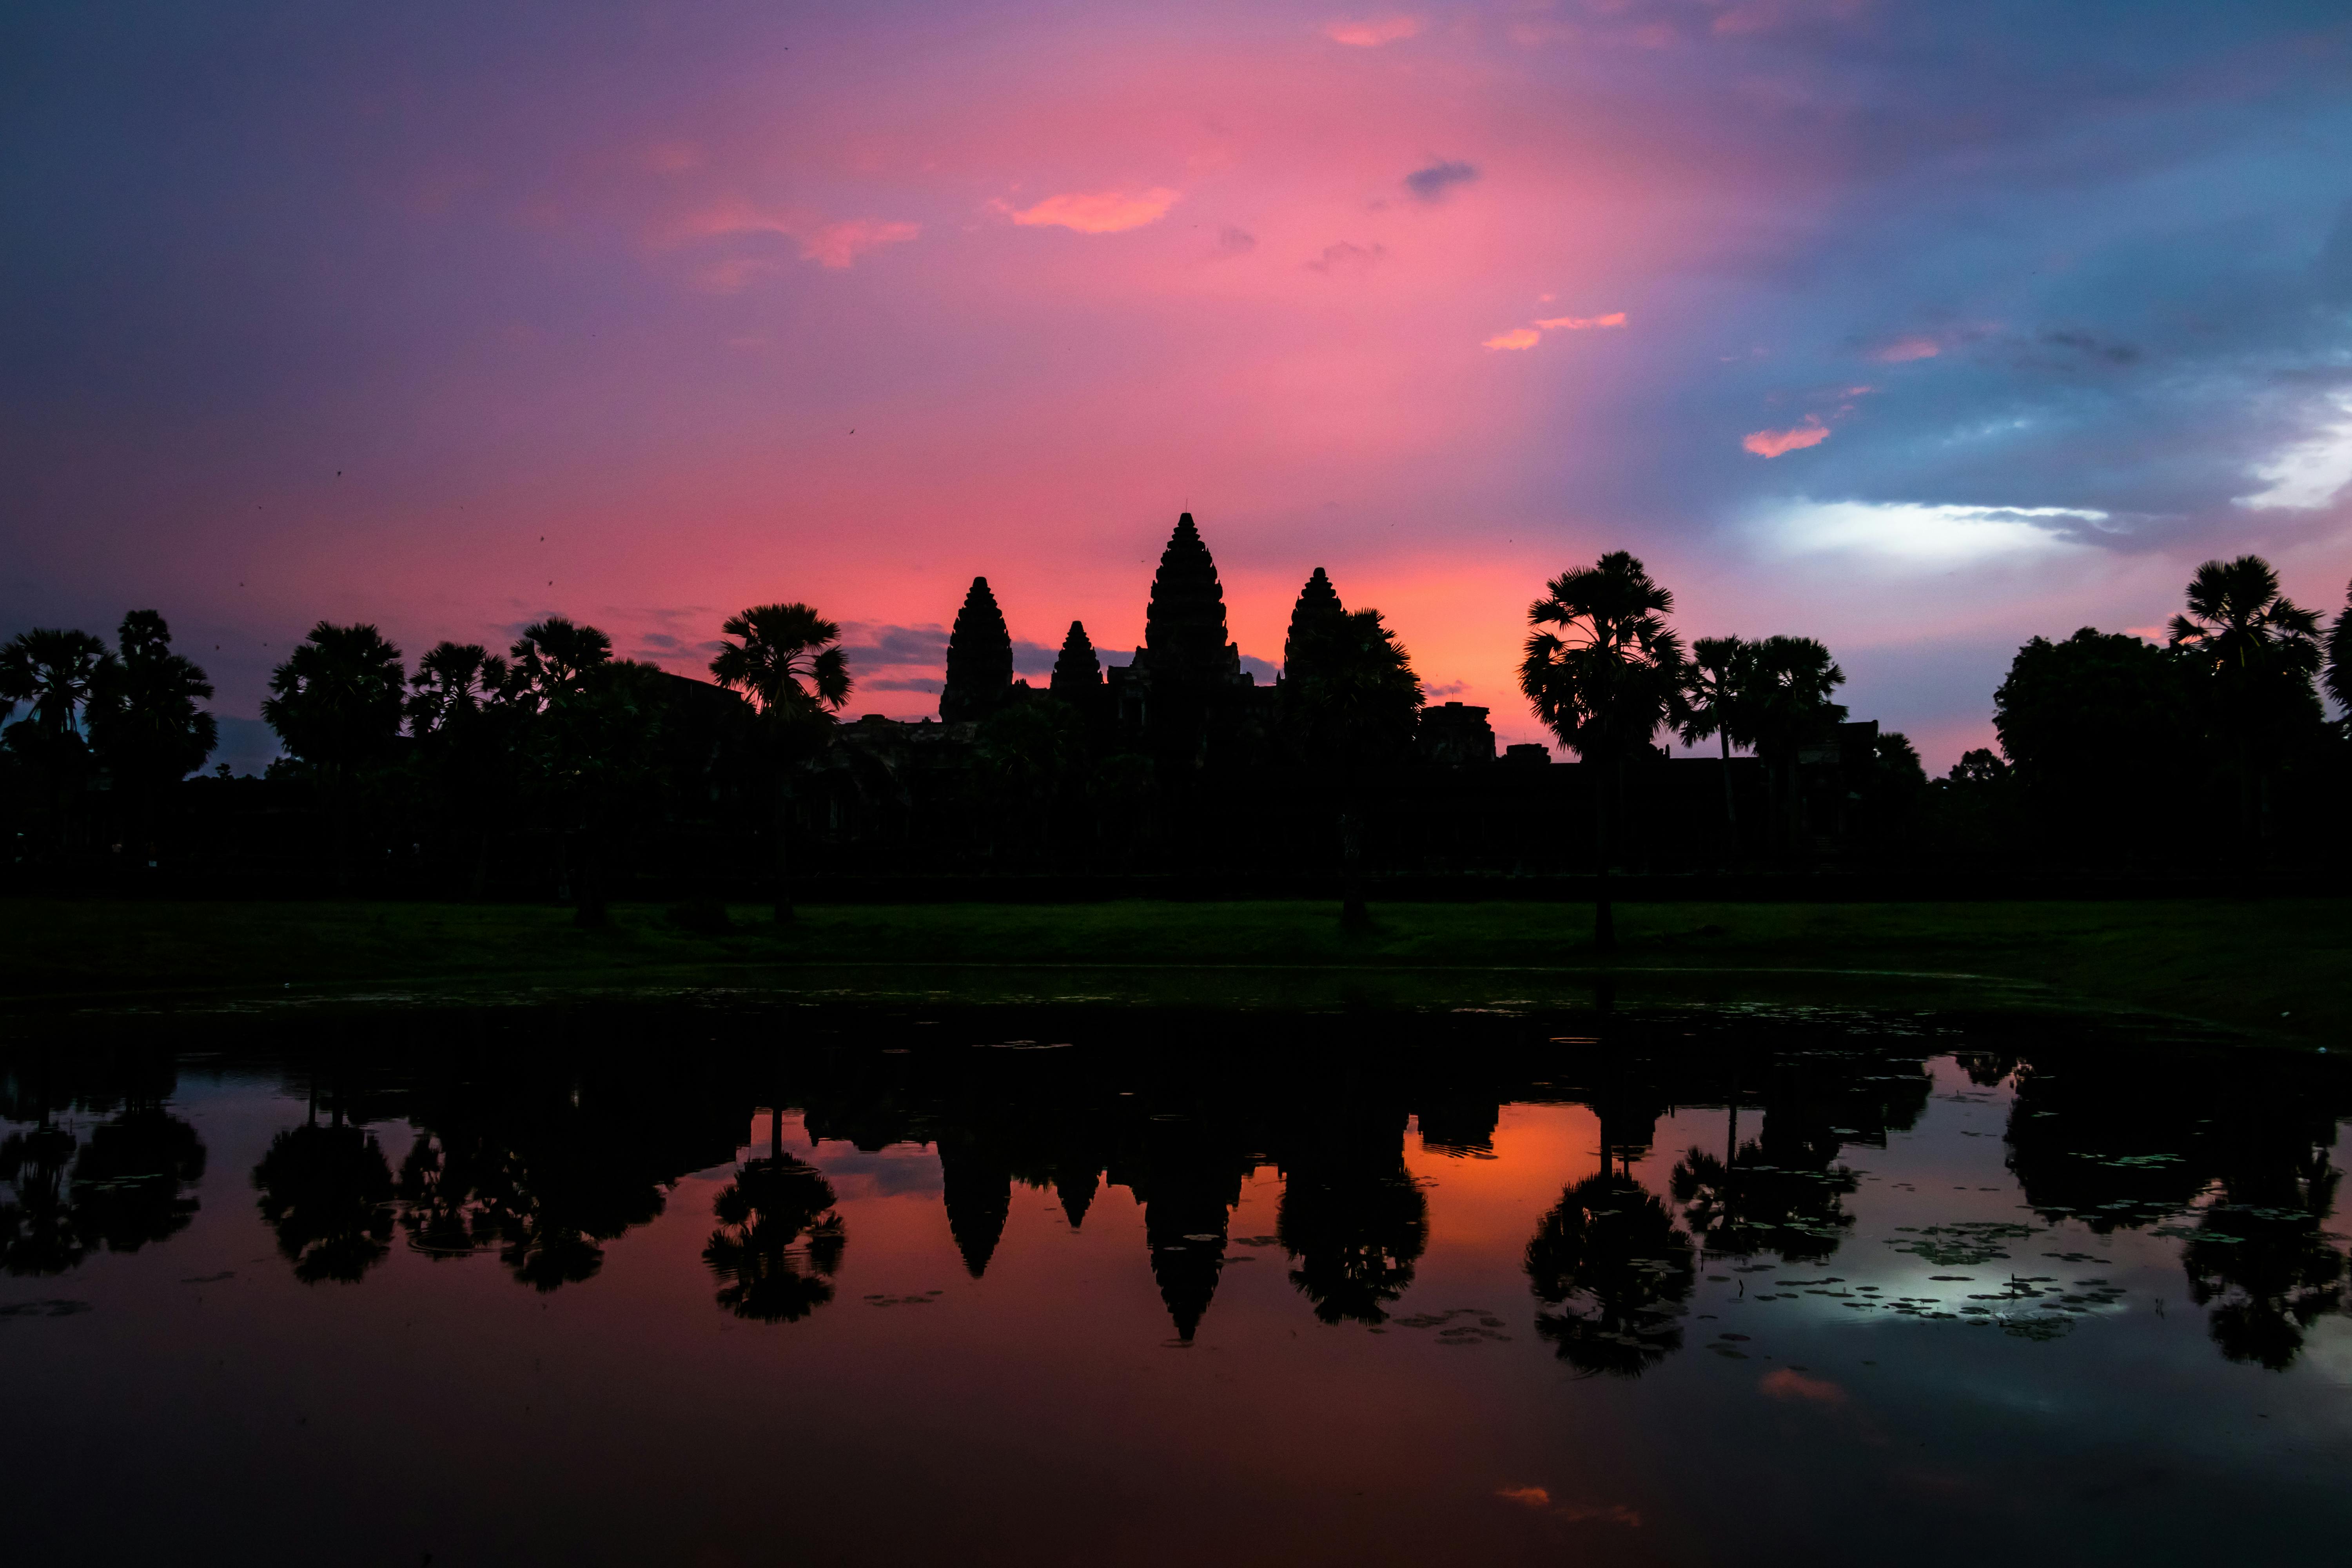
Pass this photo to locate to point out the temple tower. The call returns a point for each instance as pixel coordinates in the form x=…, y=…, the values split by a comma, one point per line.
x=1184, y=625
x=979, y=658
x=1077, y=673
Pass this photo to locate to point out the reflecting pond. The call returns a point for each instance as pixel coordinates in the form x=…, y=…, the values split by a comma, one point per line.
x=730, y=1280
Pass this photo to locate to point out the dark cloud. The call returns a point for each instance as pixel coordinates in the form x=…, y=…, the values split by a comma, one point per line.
x=1436, y=182
x=912, y=684
x=872, y=647
x=1231, y=241
x=1346, y=258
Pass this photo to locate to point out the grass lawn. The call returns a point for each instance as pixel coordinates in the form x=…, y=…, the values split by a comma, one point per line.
x=2280, y=967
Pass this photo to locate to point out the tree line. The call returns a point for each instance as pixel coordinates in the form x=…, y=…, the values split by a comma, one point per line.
x=2109, y=744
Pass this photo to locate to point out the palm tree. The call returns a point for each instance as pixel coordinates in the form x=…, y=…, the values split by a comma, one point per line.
x=788, y=659
x=56, y=672
x=1353, y=700
x=553, y=657
x=143, y=721
x=461, y=710
x=1604, y=670
x=1787, y=707
x=2338, y=679
x=1715, y=690
x=335, y=704
x=2257, y=653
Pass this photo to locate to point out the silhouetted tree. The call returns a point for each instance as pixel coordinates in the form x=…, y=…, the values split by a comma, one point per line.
x=56, y=672
x=1603, y=671
x=336, y=705
x=2338, y=679
x=2262, y=1261
x=144, y=725
x=789, y=660
x=326, y=1191
x=1714, y=693
x=1031, y=757
x=1612, y=1273
x=1788, y=709
x=779, y=1241
x=2085, y=723
x=463, y=716
x=979, y=658
x=1350, y=705
x=130, y=1179
x=1353, y=1220
x=2255, y=653
x=40, y=1226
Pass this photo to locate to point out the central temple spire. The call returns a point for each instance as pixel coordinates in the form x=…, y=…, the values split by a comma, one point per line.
x=1184, y=627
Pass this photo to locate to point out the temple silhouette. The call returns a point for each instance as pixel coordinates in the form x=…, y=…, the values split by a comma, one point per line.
x=1180, y=760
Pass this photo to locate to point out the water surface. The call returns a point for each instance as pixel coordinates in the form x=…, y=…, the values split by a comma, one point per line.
x=733, y=1282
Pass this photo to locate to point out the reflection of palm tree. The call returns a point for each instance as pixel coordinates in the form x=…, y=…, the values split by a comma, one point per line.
x=2262, y=1265
x=1604, y=670
x=1612, y=1273
x=327, y=1192
x=40, y=1229
x=778, y=1243
x=1357, y=1224
x=129, y=1181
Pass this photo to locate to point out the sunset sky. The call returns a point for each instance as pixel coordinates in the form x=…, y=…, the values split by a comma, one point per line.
x=1916, y=328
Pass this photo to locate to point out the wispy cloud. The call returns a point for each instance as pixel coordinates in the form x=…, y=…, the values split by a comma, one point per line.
x=1095, y=212
x=1437, y=181
x=1811, y=432
x=1903, y=351
x=2309, y=474
x=1347, y=257
x=834, y=243
x=1372, y=34
x=1528, y=336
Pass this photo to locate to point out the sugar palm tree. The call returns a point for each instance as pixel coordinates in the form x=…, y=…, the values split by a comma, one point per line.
x=1603, y=671
x=144, y=725
x=56, y=672
x=1353, y=698
x=2338, y=679
x=461, y=714
x=336, y=704
x=2257, y=653
x=1715, y=690
x=1787, y=707
x=789, y=660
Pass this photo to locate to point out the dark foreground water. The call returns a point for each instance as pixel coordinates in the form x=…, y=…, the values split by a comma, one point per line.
x=731, y=1283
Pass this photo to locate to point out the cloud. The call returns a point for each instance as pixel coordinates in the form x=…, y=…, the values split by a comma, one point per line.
x=2308, y=474
x=834, y=244
x=1924, y=532
x=1517, y=338
x=1787, y=1384
x=1582, y=323
x=881, y=646
x=1372, y=34
x=1095, y=212
x=1531, y=1497
x=1231, y=241
x=1903, y=351
x=839, y=244
x=1345, y=257
x=1434, y=182
x=1779, y=443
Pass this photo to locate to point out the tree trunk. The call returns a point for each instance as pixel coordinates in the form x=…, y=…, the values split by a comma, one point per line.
x=1730, y=804
x=1353, y=913
x=782, y=849
x=1604, y=917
